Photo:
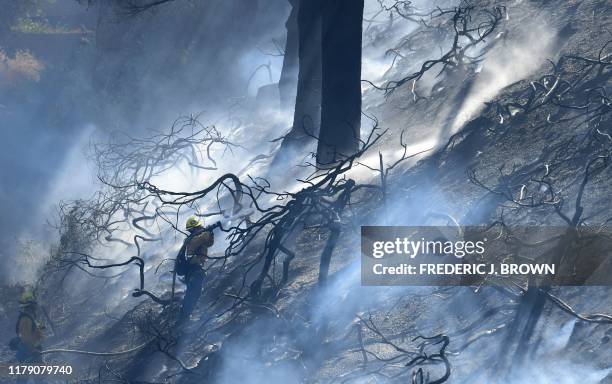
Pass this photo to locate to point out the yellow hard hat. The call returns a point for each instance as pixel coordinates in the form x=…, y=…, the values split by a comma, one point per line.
x=27, y=298
x=192, y=223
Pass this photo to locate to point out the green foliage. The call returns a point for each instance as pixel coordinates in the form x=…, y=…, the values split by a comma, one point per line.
x=13, y=10
x=27, y=16
x=37, y=25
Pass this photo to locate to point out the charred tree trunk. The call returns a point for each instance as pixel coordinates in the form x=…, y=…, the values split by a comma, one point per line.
x=287, y=85
x=307, y=114
x=335, y=229
x=326, y=255
x=341, y=80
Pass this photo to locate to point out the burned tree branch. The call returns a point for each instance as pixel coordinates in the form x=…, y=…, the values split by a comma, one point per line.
x=468, y=27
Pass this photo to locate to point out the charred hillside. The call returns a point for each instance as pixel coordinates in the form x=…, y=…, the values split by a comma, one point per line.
x=493, y=113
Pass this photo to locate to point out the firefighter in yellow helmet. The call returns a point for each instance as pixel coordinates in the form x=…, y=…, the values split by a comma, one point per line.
x=190, y=263
x=29, y=329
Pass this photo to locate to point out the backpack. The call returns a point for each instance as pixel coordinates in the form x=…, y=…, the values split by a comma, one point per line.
x=181, y=266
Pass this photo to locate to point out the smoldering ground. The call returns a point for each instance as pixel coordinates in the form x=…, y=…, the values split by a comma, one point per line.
x=159, y=95
x=114, y=72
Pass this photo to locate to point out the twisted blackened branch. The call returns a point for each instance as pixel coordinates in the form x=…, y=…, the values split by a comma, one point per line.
x=467, y=30
x=405, y=362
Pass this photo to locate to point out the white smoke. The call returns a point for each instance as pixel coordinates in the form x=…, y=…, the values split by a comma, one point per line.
x=513, y=57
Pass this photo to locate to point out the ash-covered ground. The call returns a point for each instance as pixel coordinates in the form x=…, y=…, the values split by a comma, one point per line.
x=514, y=129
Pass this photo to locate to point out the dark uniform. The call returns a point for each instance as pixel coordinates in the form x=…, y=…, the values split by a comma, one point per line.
x=196, y=251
